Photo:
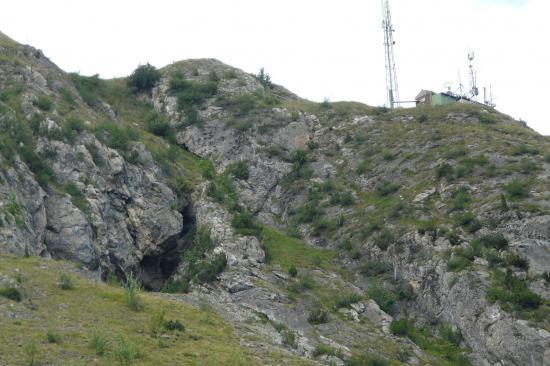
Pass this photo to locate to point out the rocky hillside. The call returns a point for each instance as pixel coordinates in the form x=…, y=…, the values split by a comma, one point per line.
x=325, y=234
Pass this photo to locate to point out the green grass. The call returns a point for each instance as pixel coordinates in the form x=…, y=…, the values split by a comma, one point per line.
x=96, y=327
x=286, y=251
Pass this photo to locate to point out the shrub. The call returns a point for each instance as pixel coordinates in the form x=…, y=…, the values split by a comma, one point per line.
x=264, y=79
x=114, y=136
x=53, y=337
x=65, y=282
x=345, y=301
x=159, y=125
x=244, y=224
x=386, y=188
x=173, y=325
x=99, y=344
x=512, y=292
x=453, y=237
x=517, y=189
x=384, y=240
x=124, y=352
x=11, y=293
x=144, y=78
x=289, y=338
x=468, y=221
x=292, y=271
x=514, y=259
x=44, y=103
x=374, y=268
x=181, y=285
x=323, y=349
x=444, y=171
x=239, y=170
x=240, y=105
x=90, y=88
x=305, y=282
x=189, y=93
x=383, y=297
x=77, y=198
x=524, y=149
x=401, y=327
x=458, y=263
x=317, y=316
x=31, y=353
x=494, y=240
x=132, y=289
x=450, y=334
x=309, y=212
x=211, y=269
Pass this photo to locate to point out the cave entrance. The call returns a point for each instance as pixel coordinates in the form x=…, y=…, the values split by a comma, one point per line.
x=156, y=269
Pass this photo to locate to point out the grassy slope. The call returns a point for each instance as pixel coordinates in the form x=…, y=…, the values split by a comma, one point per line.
x=77, y=314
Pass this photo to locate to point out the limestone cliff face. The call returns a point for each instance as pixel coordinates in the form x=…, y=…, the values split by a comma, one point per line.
x=358, y=184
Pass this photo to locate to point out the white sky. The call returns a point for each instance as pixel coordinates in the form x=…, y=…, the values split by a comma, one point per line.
x=316, y=48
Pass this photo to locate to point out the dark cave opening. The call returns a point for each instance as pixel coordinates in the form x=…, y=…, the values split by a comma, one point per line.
x=157, y=268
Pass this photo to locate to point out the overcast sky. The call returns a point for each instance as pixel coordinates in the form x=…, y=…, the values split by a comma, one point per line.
x=316, y=48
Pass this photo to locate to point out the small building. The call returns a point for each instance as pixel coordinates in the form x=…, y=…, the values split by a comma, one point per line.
x=428, y=97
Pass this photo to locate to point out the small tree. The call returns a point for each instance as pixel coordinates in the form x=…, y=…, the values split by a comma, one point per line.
x=144, y=78
x=265, y=79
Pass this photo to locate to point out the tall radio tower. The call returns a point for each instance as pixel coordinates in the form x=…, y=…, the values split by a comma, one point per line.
x=391, y=75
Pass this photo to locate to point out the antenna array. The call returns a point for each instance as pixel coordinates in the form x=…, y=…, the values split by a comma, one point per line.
x=391, y=75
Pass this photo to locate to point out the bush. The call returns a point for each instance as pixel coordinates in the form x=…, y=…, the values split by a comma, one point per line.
x=189, y=93
x=239, y=170
x=159, y=125
x=244, y=224
x=99, y=344
x=305, y=282
x=114, y=136
x=524, y=149
x=143, y=78
x=292, y=271
x=124, y=352
x=517, y=189
x=44, y=103
x=374, y=268
x=11, y=293
x=386, y=188
x=384, y=240
x=53, y=337
x=289, y=338
x=444, y=171
x=458, y=263
x=90, y=88
x=173, y=325
x=468, y=221
x=65, y=282
x=181, y=285
x=342, y=199
x=31, y=353
x=132, y=289
x=495, y=240
x=383, y=297
x=401, y=327
x=211, y=269
x=323, y=349
x=450, y=334
x=264, y=79
x=512, y=292
x=317, y=316
x=345, y=301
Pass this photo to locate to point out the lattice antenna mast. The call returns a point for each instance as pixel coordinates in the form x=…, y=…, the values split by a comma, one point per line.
x=474, y=91
x=391, y=75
